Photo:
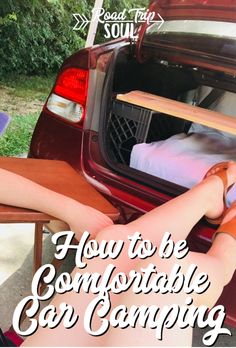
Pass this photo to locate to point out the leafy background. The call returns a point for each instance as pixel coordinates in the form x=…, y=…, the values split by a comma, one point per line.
x=36, y=35
x=35, y=38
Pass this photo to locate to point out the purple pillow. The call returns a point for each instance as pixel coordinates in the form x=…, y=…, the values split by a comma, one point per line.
x=4, y=122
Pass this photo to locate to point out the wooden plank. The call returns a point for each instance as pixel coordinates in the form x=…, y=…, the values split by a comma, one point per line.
x=178, y=109
x=57, y=176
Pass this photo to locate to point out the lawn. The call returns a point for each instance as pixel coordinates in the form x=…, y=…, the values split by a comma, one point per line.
x=22, y=97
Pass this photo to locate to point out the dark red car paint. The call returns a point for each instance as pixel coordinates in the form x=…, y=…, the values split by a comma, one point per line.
x=55, y=138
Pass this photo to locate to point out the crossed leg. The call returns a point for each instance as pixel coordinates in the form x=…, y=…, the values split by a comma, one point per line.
x=218, y=264
x=177, y=217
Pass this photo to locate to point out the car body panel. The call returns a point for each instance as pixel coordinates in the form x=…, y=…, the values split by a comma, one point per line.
x=196, y=9
x=55, y=138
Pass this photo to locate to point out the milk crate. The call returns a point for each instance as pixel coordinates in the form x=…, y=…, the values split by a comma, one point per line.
x=128, y=125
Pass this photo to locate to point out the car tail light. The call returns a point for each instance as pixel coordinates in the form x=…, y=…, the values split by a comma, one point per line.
x=65, y=108
x=69, y=96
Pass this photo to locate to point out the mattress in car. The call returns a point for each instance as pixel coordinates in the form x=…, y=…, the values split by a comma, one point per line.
x=185, y=158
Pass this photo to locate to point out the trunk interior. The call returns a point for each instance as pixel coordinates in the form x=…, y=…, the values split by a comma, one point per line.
x=138, y=142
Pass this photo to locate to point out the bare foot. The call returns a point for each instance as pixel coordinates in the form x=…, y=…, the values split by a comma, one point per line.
x=217, y=206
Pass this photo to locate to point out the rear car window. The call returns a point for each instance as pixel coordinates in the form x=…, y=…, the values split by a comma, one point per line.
x=213, y=37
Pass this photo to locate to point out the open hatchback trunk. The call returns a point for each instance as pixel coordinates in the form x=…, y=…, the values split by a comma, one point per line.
x=150, y=117
x=168, y=111
x=169, y=108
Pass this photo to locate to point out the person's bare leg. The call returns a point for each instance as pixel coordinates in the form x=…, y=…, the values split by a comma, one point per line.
x=219, y=264
x=145, y=336
x=21, y=192
x=213, y=263
x=196, y=203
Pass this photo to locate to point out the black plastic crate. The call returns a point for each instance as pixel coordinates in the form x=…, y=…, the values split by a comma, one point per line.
x=127, y=125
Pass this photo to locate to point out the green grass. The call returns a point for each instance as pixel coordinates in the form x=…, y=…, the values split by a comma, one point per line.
x=17, y=138
x=28, y=87
x=22, y=98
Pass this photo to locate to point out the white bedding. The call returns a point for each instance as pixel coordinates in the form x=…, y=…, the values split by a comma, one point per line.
x=184, y=159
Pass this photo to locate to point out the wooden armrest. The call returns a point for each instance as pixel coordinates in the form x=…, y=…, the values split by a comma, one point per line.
x=178, y=109
x=57, y=176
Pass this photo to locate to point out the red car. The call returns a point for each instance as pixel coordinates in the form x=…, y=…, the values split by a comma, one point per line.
x=193, y=53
